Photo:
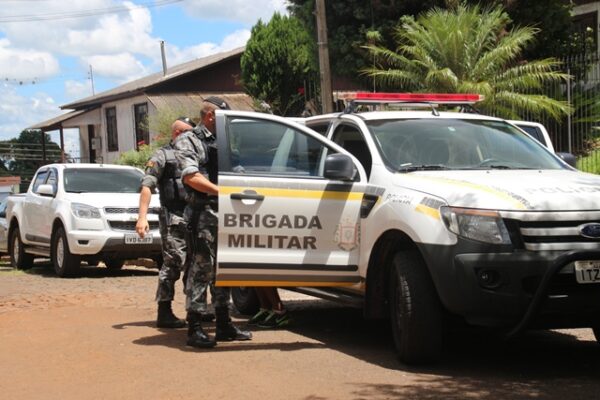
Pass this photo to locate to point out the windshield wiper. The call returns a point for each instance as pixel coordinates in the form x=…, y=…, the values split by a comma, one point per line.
x=76, y=191
x=422, y=167
x=498, y=166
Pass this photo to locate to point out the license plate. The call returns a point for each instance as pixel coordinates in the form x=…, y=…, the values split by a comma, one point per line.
x=587, y=271
x=134, y=238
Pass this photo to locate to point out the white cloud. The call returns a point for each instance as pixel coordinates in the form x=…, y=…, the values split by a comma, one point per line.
x=104, y=34
x=25, y=64
x=239, y=10
x=19, y=112
x=77, y=90
x=176, y=55
x=122, y=67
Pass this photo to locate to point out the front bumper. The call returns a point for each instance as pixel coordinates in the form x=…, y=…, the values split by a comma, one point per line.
x=112, y=244
x=500, y=286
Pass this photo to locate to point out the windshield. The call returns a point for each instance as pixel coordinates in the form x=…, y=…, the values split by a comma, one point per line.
x=102, y=180
x=438, y=143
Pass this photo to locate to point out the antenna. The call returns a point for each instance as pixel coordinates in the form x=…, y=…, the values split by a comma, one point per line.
x=92, y=80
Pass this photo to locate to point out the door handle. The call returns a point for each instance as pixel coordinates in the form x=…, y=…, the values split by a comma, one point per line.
x=247, y=196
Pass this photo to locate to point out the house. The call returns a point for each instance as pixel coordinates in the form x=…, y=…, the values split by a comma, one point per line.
x=585, y=18
x=113, y=121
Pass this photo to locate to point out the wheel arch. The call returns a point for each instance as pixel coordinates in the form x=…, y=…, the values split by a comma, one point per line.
x=378, y=272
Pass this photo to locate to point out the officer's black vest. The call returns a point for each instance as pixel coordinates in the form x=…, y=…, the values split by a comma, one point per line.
x=198, y=200
x=172, y=192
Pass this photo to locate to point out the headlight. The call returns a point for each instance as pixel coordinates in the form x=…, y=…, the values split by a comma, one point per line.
x=84, y=211
x=483, y=226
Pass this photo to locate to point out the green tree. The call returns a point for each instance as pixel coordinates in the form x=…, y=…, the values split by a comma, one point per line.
x=22, y=156
x=278, y=59
x=349, y=22
x=469, y=50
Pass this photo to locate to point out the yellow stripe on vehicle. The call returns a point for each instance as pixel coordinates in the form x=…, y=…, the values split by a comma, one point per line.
x=432, y=212
x=498, y=193
x=295, y=193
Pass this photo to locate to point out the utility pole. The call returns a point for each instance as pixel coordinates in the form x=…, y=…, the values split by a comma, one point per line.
x=92, y=79
x=324, y=71
x=163, y=56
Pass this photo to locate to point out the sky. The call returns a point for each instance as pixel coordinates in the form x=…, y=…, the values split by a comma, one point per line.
x=53, y=52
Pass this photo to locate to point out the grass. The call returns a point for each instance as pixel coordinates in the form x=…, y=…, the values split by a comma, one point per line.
x=590, y=163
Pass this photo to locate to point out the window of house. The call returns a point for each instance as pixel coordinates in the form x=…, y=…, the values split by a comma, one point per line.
x=112, y=137
x=586, y=26
x=142, y=133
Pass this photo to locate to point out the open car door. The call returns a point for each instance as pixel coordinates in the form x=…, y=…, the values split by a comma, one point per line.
x=289, y=205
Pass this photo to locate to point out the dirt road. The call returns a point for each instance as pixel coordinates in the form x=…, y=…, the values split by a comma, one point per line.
x=93, y=337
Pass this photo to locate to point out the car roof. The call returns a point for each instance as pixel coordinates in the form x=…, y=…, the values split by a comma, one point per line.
x=381, y=115
x=88, y=165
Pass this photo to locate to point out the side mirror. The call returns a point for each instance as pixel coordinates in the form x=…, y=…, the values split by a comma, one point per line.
x=45, y=190
x=339, y=167
x=568, y=158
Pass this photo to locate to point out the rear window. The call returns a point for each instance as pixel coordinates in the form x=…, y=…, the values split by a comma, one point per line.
x=534, y=133
x=102, y=180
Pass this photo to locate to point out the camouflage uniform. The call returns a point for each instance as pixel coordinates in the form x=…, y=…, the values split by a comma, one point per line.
x=191, y=152
x=173, y=227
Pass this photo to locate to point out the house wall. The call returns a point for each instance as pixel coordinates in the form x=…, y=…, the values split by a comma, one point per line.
x=222, y=77
x=587, y=7
x=125, y=127
x=82, y=122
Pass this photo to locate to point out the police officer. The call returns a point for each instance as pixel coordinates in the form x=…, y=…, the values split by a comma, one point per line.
x=196, y=152
x=162, y=170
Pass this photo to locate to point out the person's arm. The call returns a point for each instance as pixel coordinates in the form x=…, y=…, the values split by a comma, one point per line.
x=142, y=226
x=200, y=183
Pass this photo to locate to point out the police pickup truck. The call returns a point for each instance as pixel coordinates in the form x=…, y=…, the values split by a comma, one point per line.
x=415, y=215
x=80, y=212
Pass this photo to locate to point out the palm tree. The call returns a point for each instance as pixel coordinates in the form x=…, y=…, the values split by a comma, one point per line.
x=469, y=50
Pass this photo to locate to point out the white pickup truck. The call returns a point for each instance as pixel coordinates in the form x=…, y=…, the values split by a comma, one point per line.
x=423, y=216
x=80, y=212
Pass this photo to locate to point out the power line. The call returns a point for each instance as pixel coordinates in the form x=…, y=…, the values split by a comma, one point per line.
x=82, y=14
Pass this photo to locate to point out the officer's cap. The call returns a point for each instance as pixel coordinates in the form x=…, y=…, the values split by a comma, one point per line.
x=219, y=102
x=187, y=121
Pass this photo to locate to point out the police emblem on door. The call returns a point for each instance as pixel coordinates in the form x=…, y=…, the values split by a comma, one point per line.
x=347, y=235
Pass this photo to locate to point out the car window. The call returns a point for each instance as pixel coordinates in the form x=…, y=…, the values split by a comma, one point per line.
x=351, y=139
x=268, y=147
x=40, y=178
x=52, y=180
x=535, y=133
x=102, y=180
x=458, y=144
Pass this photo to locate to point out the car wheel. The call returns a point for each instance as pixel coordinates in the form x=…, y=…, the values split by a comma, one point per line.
x=18, y=258
x=65, y=263
x=114, y=264
x=416, y=312
x=245, y=300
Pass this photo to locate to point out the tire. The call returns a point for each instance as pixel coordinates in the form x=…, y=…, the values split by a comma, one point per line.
x=416, y=312
x=245, y=300
x=18, y=258
x=65, y=263
x=114, y=264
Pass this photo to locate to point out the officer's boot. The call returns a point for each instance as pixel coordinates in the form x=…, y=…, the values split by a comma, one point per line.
x=226, y=331
x=196, y=335
x=166, y=318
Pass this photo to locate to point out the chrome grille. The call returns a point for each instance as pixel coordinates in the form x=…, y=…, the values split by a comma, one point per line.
x=129, y=226
x=130, y=210
x=557, y=231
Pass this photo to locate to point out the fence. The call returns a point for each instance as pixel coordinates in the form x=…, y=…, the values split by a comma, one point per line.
x=578, y=133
